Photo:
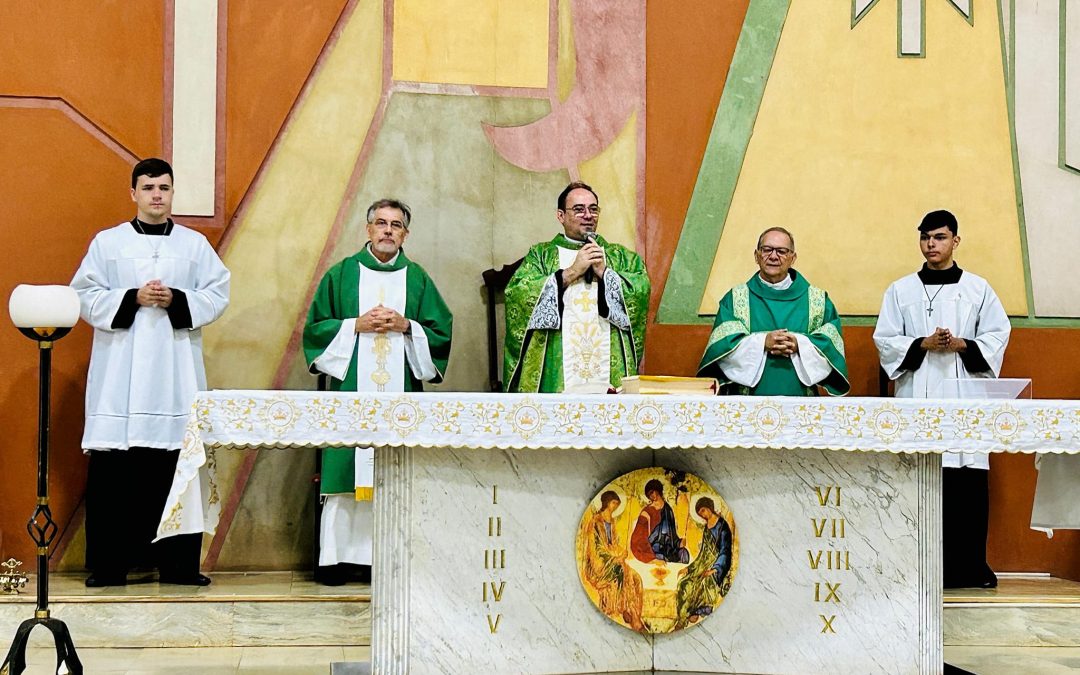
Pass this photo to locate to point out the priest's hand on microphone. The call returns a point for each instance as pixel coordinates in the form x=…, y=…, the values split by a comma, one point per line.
x=589, y=256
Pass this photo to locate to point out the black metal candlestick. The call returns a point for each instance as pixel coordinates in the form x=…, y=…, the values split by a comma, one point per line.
x=42, y=528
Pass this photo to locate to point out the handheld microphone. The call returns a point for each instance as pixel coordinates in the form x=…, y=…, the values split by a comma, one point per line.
x=590, y=237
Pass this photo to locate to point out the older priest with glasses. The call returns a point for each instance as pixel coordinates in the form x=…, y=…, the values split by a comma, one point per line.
x=776, y=335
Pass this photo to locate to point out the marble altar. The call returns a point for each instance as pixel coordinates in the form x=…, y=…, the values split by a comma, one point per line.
x=479, y=497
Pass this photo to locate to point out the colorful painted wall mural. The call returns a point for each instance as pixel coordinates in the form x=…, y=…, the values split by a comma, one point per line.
x=842, y=120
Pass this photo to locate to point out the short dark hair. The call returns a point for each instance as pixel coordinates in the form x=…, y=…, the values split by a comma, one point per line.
x=390, y=203
x=151, y=167
x=790, y=237
x=935, y=220
x=705, y=503
x=576, y=185
x=607, y=497
x=654, y=486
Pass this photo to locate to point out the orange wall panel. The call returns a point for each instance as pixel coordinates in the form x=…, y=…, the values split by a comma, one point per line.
x=59, y=186
x=688, y=53
x=105, y=58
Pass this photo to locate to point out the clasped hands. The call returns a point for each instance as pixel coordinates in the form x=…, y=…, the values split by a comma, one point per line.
x=943, y=341
x=381, y=319
x=154, y=294
x=589, y=255
x=781, y=342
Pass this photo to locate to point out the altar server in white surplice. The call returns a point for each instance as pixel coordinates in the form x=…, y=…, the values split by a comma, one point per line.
x=147, y=286
x=376, y=324
x=946, y=323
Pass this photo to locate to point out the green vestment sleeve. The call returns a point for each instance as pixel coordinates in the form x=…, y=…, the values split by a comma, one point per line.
x=630, y=268
x=828, y=340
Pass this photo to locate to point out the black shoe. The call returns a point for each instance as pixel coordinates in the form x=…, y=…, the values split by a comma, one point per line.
x=363, y=574
x=332, y=575
x=184, y=580
x=101, y=579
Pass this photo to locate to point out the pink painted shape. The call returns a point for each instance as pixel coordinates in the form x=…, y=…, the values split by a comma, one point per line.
x=609, y=38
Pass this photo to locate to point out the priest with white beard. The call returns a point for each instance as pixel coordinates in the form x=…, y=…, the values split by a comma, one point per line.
x=147, y=286
x=946, y=323
x=377, y=323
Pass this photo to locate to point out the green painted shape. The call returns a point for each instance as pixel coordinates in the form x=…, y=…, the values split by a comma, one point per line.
x=1063, y=163
x=722, y=163
x=1008, y=57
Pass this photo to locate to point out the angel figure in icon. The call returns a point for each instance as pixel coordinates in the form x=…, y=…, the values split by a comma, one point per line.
x=705, y=581
x=604, y=566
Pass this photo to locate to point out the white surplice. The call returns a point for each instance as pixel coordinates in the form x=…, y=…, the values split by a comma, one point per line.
x=969, y=309
x=143, y=379
x=348, y=524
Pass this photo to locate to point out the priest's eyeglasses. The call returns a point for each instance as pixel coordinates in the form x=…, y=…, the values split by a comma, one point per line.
x=767, y=251
x=579, y=209
x=395, y=225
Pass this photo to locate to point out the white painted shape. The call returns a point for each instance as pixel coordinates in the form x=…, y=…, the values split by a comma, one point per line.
x=861, y=5
x=194, y=112
x=963, y=5
x=1071, y=82
x=911, y=27
x=1051, y=194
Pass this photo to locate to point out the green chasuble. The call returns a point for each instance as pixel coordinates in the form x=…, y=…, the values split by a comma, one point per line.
x=801, y=308
x=337, y=300
x=533, y=357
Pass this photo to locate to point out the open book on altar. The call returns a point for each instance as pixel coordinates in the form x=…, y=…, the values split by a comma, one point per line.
x=669, y=384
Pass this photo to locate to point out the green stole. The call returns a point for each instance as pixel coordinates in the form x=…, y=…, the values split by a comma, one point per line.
x=756, y=307
x=337, y=299
x=533, y=358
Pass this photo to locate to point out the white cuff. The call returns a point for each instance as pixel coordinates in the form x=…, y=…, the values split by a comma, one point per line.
x=810, y=365
x=613, y=295
x=746, y=363
x=418, y=354
x=335, y=359
x=545, y=315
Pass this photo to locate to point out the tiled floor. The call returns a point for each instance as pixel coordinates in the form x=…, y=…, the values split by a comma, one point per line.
x=204, y=660
x=69, y=587
x=303, y=660
x=1026, y=588
x=317, y=660
x=1015, y=660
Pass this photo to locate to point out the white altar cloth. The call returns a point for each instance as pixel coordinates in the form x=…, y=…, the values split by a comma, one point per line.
x=448, y=466
x=297, y=419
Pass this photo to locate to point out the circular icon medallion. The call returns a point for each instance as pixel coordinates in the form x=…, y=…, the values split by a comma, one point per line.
x=657, y=550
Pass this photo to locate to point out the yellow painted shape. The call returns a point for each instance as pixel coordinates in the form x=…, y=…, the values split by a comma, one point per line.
x=567, y=64
x=613, y=174
x=852, y=146
x=478, y=42
x=274, y=254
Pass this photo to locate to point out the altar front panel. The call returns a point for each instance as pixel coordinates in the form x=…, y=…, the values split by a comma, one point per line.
x=837, y=568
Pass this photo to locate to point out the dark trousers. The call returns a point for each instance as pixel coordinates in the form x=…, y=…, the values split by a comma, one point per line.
x=125, y=495
x=965, y=511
